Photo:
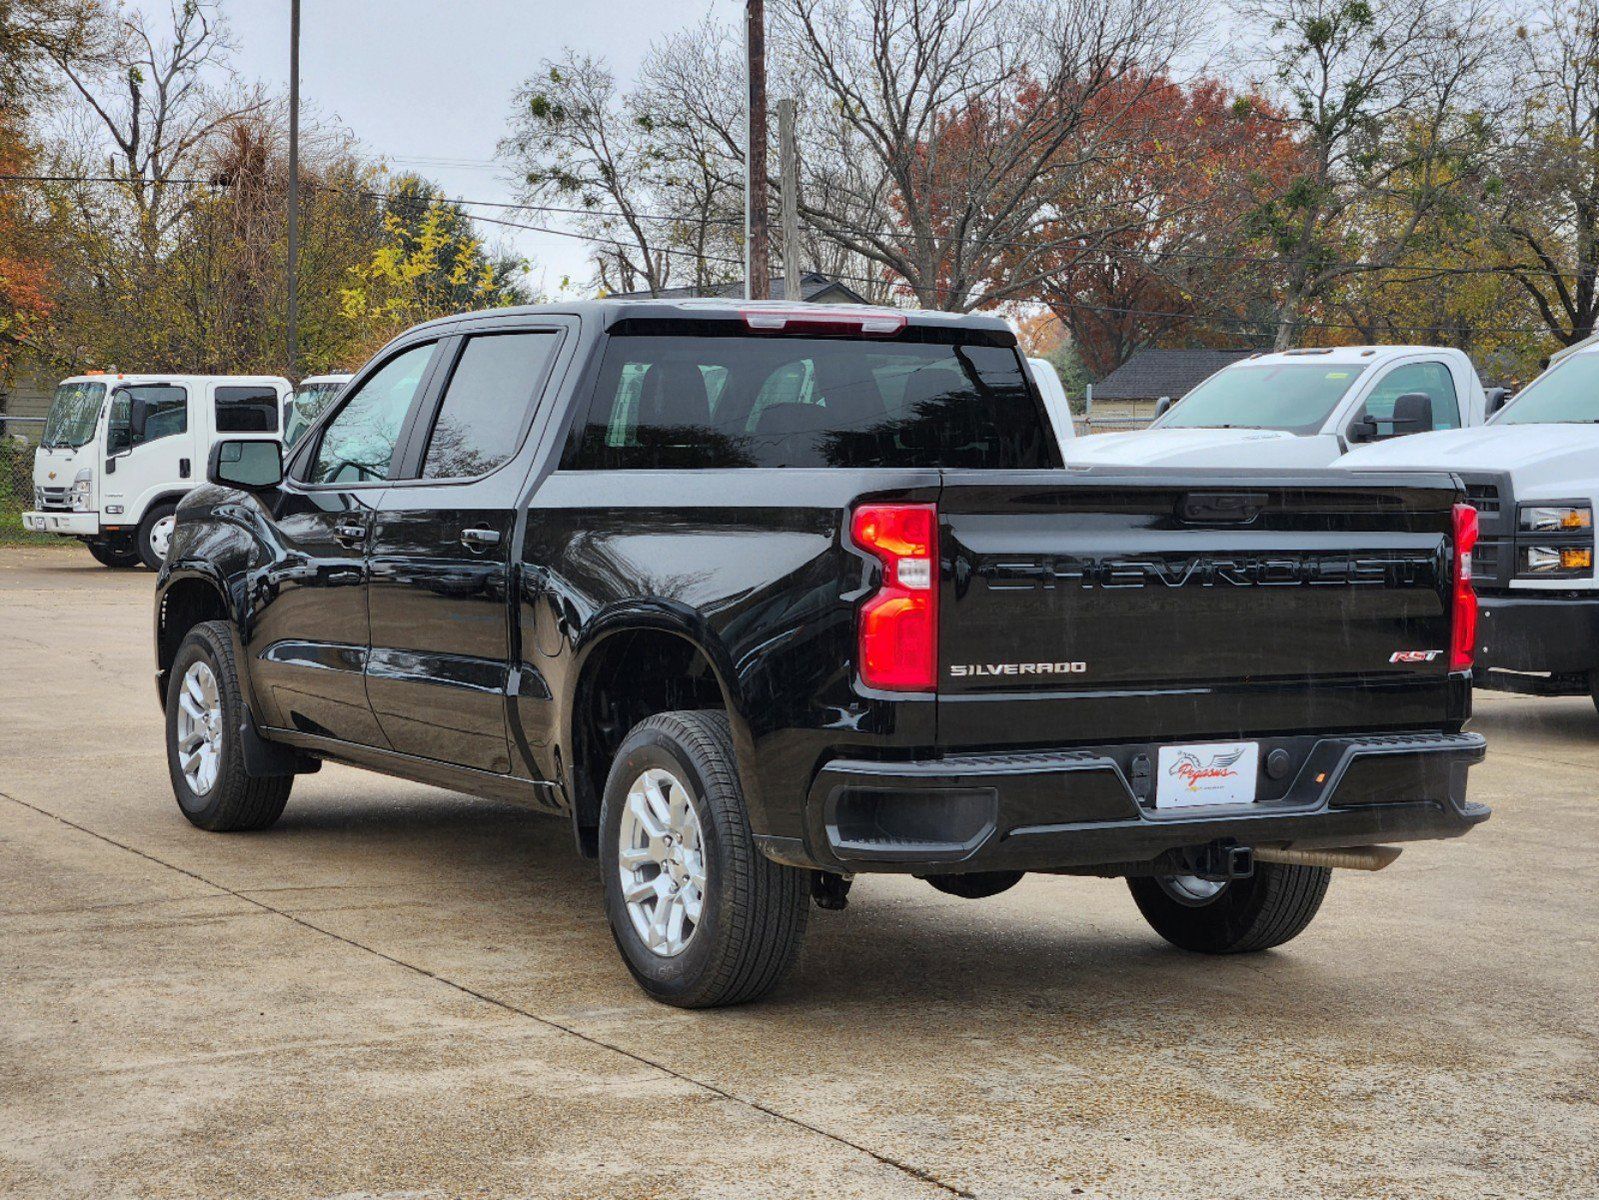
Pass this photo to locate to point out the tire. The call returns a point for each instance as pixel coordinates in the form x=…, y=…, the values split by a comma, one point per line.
x=157, y=524
x=752, y=911
x=114, y=554
x=231, y=801
x=1271, y=907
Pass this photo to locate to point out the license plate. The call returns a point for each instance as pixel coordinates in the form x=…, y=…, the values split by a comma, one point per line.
x=1212, y=773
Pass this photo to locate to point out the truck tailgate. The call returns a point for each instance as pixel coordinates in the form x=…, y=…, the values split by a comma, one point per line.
x=1157, y=606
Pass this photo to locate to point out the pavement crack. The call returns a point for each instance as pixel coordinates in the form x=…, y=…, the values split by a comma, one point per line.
x=907, y=1169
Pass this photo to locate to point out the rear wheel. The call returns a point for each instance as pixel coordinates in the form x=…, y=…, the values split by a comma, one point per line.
x=1237, y=916
x=702, y=917
x=205, y=711
x=154, y=538
x=114, y=554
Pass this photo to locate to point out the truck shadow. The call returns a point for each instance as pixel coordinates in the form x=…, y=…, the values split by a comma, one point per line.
x=511, y=880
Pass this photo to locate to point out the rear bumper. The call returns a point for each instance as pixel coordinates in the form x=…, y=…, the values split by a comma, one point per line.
x=1531, y=632
x=69, y=524
x=1082, y=809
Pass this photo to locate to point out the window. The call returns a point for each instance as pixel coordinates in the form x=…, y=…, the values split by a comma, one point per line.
x=1295, y=397
x=741, y=400
x=1567, y=393
x=487, y=403
x=358, y=444
x=73, y=414
x=1431, y=378
x=164, y=409
x=247, y=410
x=304, y=407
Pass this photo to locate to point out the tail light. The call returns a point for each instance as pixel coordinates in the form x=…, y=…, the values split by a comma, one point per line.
x=898, y=637
x=1463, y=644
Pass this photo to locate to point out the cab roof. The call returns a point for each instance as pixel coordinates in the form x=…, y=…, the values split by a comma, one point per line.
x=159, y=377
x=608, y=312
x=1341, y=355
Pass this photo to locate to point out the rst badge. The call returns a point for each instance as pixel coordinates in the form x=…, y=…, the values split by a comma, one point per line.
x=1413, y=656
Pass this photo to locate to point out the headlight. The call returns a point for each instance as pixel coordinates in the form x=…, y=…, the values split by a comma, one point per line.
x=1556, y=560
x=38, y=496
x=82, y=482
x=1555, y=542
x=1557, y=519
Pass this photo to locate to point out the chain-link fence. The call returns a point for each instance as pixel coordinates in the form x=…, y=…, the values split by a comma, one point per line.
x=18, y=436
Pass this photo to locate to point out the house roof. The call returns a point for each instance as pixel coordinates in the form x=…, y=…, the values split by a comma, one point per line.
x=1151, y=374
x=814, y=288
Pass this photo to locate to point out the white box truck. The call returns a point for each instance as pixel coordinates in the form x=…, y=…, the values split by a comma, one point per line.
x=120, y=450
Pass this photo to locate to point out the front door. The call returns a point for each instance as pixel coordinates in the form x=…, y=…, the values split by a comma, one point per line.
x=440, y=669
x=150, y=439
x=311, y=636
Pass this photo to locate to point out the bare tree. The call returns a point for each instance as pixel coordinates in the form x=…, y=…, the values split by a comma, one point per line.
x=1382, y=97
x=577, y=139
x=960, y=129
x=149, y=95
x=1548, y=204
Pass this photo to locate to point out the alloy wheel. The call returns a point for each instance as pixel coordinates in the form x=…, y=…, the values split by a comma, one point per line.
x=200, y=728
x=661, y=861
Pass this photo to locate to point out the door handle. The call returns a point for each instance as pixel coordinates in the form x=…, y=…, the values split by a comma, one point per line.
x=349, y=534
x=183, y=468
x=480, y=539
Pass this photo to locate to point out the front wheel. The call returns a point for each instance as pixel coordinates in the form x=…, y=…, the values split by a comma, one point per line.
x=205, y=711
x=701, y=916
x=154, y=538
x=1236, y=916
x=114, y=554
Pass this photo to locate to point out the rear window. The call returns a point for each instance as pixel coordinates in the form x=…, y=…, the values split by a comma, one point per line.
x=749, y=401
x=246, y=410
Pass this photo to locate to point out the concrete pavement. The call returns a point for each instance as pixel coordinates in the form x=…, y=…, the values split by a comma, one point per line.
x=399, y=991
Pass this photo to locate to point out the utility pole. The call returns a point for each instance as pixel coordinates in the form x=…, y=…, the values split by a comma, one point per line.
x=294, y=189
x=757, y=243
x=788, y=153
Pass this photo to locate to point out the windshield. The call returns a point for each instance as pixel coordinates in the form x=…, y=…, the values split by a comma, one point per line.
x=756, y=401
x=305, y=406
x=73, y=414
x=1566, y=394
x=1296, y=397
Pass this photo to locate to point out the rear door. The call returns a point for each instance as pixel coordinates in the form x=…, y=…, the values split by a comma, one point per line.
x=311, y=635
x=1139, y=607
x=440, y=667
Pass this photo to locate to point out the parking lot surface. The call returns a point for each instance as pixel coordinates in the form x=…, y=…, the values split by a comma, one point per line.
x=399, y=991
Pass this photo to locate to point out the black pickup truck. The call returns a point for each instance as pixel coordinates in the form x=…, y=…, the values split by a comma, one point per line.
x=762, y=597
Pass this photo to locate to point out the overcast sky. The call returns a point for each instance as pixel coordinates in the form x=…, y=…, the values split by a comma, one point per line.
x=427, y=84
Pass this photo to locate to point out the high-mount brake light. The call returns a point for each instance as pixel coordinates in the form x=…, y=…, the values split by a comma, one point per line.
x=821, y=318
x=1463, y=640
x=898, y=635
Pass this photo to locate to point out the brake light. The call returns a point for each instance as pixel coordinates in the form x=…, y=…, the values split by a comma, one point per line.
x=1463, y=642
x=820, y=318
x=898, y=636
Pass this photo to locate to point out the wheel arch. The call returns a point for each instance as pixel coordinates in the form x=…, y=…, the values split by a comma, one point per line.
x=631, y=665
x=186, y=597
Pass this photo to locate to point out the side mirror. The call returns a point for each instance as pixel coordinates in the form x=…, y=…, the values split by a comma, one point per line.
x=1363, y=429
x=1162, y=406
x=252, y=466
x=1497, y=399
x=138, y=418
x=1413, y=413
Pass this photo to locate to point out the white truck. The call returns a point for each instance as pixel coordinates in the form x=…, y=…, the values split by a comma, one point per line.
x=1299, y=408
x=310, y=401
x=1532, y=473
x=120, y=450
x=1054, y=394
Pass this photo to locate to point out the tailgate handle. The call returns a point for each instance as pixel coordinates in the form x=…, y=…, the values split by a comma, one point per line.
x=1222, y=508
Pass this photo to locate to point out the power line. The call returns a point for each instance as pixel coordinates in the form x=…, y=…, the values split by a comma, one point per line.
x=1257, y=325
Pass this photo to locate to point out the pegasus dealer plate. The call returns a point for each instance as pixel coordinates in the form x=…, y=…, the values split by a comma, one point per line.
x=1209, y=773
